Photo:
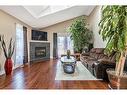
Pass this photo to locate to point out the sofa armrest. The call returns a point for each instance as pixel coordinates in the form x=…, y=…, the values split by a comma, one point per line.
x=100, y=68
x=103, y=61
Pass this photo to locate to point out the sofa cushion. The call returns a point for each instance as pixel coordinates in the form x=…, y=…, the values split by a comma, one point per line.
x=91, y=63
x=105, y=57
x=102, y=61
x=99, y=50
x=85, y=57
x=92, y=55
x=93, y=50
x=101, y=56
x=97, y=56
x=90, y=59
x=85, y=54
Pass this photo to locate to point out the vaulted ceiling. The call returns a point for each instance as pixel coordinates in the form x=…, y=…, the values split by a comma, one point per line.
x=43, y=16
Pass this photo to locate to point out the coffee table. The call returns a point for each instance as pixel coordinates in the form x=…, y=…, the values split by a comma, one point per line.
x=68, y=64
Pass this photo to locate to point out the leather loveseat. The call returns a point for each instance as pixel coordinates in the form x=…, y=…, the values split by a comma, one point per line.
x=97, y=62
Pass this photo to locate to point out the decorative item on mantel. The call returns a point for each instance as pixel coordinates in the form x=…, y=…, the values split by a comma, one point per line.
x=68, y=54
x=8, y=54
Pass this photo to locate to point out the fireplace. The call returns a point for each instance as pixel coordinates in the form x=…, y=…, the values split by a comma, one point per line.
x=40, y=52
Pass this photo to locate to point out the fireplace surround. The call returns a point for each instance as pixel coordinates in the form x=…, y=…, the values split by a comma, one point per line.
x=39, y=51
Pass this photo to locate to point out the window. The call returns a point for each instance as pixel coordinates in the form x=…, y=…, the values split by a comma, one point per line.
x=64, y=43
x=19, y=44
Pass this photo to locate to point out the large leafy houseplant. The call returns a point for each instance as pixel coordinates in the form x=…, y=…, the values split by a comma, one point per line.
x=80, y=34
x=8, y=54
x=113, y=29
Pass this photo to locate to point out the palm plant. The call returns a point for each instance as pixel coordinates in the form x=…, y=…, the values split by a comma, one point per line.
x=113, y=29
x=8, y=53
x=80, y=34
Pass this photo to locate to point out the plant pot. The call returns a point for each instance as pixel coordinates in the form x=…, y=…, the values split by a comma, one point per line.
x=8, y=66
x=117, y=82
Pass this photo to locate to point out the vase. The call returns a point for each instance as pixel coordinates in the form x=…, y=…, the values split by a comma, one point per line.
x=68, y=54
x=8, y=66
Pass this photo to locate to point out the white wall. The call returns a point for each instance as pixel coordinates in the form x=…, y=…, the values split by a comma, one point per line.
x=93, y=21
x=8, y=29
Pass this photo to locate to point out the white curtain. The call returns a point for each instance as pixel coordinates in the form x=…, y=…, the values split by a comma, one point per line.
x=19, y=44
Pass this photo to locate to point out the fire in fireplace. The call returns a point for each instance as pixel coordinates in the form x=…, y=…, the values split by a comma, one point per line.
x=40, y=51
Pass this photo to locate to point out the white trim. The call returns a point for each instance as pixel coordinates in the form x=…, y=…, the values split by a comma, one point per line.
x=40, y=41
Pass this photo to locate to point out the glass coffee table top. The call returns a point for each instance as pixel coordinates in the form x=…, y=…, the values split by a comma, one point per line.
x=64, y=59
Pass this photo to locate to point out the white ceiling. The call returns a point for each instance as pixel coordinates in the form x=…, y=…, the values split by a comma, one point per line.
x=43, y=16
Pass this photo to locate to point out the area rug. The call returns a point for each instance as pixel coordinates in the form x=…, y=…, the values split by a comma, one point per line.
x=81, y=73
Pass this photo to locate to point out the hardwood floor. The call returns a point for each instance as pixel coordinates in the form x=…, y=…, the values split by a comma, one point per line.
x=42, y=76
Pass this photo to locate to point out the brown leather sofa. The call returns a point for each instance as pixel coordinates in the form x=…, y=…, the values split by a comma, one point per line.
x=97, y=62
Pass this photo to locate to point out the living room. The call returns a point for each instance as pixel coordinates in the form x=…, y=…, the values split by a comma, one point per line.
x=39, y=55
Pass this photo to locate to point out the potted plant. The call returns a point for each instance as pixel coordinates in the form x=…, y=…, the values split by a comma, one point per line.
x=113, y=29
x=8, y=54
x=80, y=34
